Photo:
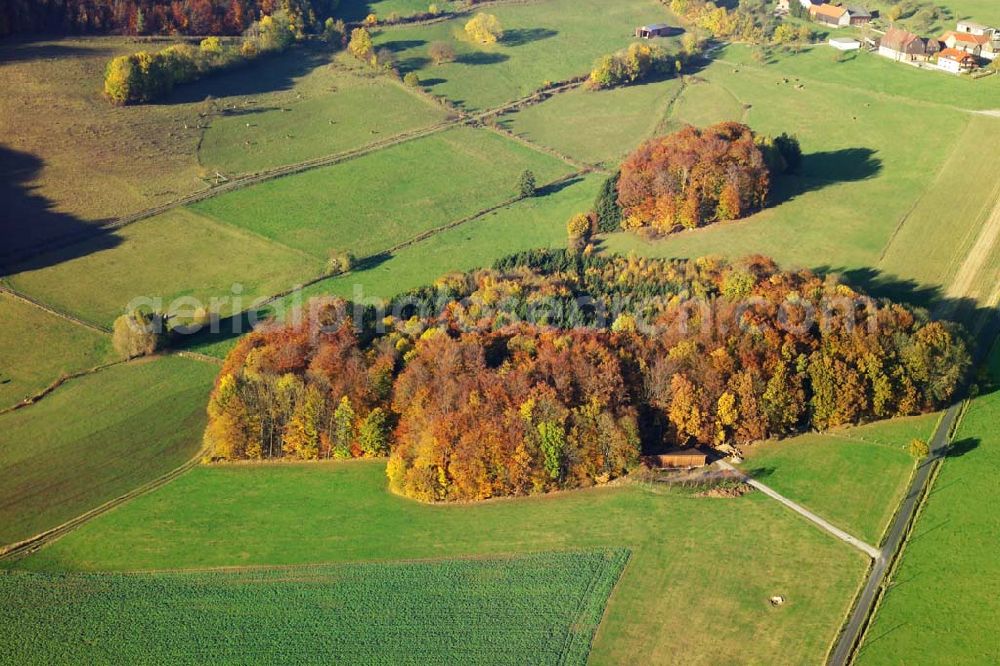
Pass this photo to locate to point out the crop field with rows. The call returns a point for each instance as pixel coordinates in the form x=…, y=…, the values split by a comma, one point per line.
x=530, y=609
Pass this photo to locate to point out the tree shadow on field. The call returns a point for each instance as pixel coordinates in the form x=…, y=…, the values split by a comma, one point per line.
x=34, y=234
x=25, y=50
x=268, y=74
x=482, y=58
x=414, y=64
x=402, y=45
x=759, y=473
x=554, y=188
x=962, y=447
x=822, y=169
x=521, y=36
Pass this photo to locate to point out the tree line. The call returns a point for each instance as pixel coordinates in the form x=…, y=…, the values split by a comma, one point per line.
x=144, y=76
x=156, y=17
x=555, y=369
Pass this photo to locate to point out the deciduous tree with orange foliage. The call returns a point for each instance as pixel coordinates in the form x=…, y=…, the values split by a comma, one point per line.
x=693, y=177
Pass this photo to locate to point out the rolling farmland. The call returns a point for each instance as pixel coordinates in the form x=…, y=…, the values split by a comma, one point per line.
x=319, y=562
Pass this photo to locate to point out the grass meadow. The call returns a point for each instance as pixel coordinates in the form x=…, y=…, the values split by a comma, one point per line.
x=526, y=224
x=36, y=348
x=530, y=609
x=179, y=253
x=853, y=477
x=965, y=201
x=370, y=204
x=615, y=121
x=543, y=42
x=880, y=76
x=328, y=111
x=96, y=438
x=945, y=592
x=869, y=160
x=695, y=561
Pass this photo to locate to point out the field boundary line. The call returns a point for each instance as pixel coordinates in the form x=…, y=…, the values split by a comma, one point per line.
x=583, y=167
x=233, y=184
x=51, y=388
x=869, y=550
x=32, y=544
x=467, y=557
x=7, y=289
x=11, y=260
x=979, y=254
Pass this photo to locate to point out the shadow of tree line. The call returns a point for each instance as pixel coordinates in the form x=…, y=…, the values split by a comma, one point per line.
x=35, y=233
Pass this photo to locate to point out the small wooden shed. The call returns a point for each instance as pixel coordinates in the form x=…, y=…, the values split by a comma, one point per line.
x=653, y=30
x=678, y=459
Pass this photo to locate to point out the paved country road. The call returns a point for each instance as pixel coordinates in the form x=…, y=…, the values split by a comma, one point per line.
x=851, y=634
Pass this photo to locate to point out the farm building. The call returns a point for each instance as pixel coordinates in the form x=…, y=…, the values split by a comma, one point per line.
x=678, y=459
x=955, y=61
x=844, y=43
x=653, y=30
x=901, y=45
x=985, y=46
x=832, y=15
x=973, y=28
x=859, y=15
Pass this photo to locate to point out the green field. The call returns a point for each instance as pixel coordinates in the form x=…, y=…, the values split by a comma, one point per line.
x=869, y=160
x=882, y=77
x=694, y=560
x=853, y=477
x=705, y=102
x=173, y=255
x=328, y=111
x=544, y=41
x=530, y=609
x=96, y=438
x=527, y=224
x=36, y=348
x=965, y=202
x=947, y=585
x=372, y=203
x=616, y=120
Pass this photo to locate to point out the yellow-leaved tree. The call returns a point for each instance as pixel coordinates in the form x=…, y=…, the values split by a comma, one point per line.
x=484, y=28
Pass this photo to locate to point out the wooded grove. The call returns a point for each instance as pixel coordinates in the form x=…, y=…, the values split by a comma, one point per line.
x=555, y=370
